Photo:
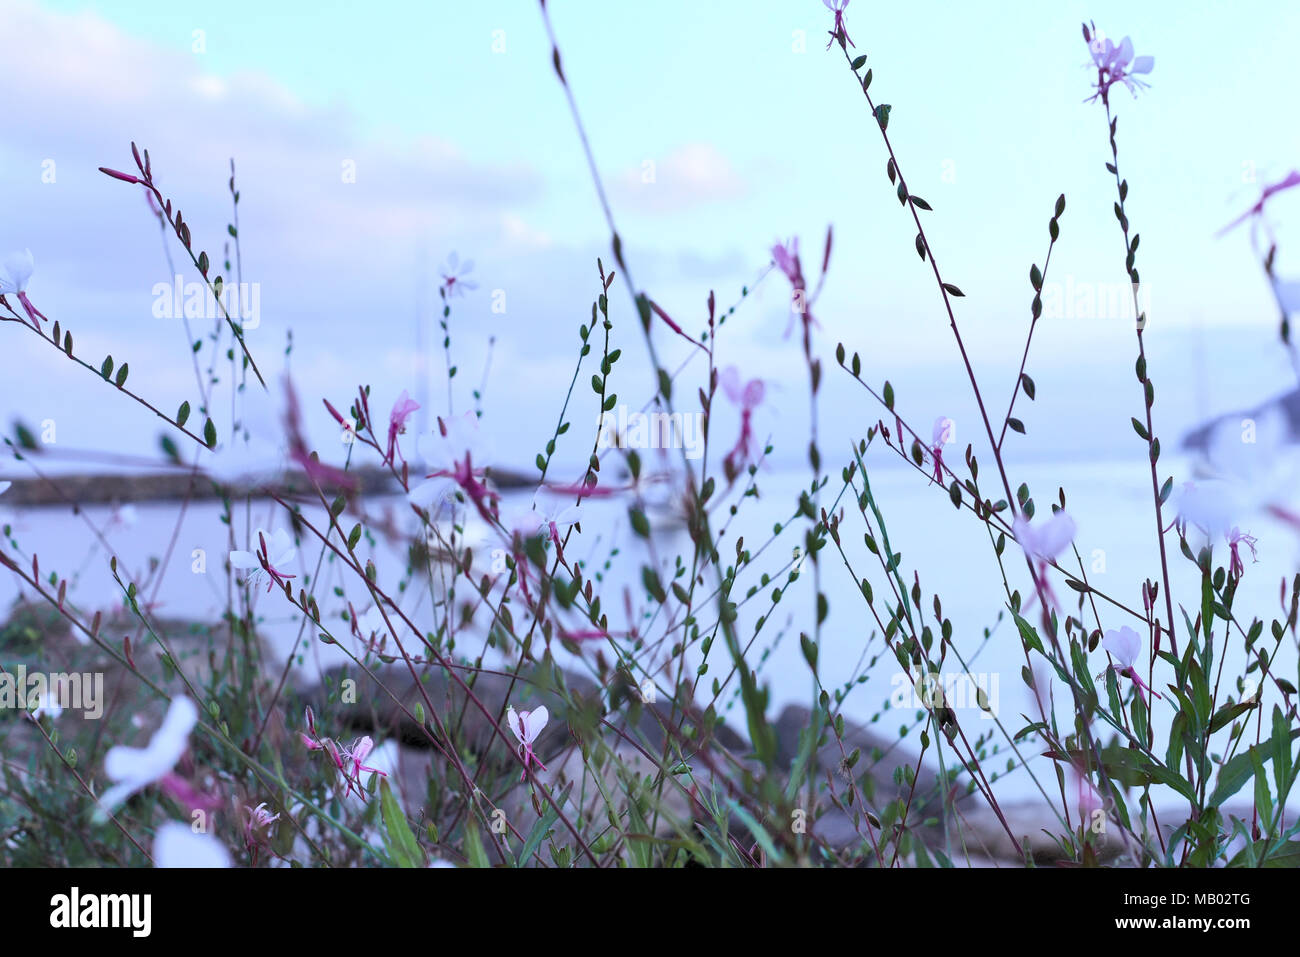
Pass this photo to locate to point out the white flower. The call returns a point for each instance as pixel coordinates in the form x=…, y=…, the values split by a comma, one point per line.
x=177, y=845
x=280, y=550
x=1048, y=538
x=1123, y=644
x=137, y=768
x=371, y=628
x=527, y=725
x=454, y=276
x=454, y=460
x=944, y=431
x=18, y=270
x=125, y=515
x=371, y=623
x=1118, y=64
x=526, y=524
x=1210, y=505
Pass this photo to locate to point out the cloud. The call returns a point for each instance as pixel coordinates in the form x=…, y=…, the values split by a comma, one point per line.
x=340, y=227
x=691, y=175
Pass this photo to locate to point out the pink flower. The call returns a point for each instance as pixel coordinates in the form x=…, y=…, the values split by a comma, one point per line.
x=352, y=759
x=838, y=32
x=124, y=177
x=1235, y=540
x=18, y=270
x=1090, y=800
x=402, y=410
x=347, y=760
x=1116, y=64
x=299, y=452
x=1256, y=212
x=1043, y=542
x=257, y=829
x=944, y=429
x=786, y=257
x=188, y=794
x=526, y=726
x=458, y=463
x=748, y=396
x=671, y=323
x=1047, y=539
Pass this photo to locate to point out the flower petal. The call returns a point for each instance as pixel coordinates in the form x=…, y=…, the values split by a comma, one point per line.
x=1055, y=534
x=534, y=721
x=19, y=267
x=176, y=845
x=1123, y=644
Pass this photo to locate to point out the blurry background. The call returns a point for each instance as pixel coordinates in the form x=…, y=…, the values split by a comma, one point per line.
x=751, y=131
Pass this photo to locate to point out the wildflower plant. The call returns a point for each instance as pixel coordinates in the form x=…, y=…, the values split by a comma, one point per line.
x=508, y=700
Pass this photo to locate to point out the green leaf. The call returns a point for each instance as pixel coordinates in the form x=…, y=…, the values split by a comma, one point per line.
x=1163, y=775
x=650, y=578
x=183, y=413
x=1284, y=855
x=210, y=434
x=1239, y=769
x=1282, y=770
x=474, y=848
x=122, y=374
x=1029, y=635
x=953, y=290
x=1228, y=713
x=401, y=843
x=539, y=833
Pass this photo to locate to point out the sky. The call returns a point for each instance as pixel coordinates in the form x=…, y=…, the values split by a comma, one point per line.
x=372, y=142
